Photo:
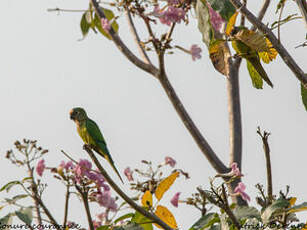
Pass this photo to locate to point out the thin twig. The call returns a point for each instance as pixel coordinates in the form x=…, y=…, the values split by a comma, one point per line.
x=279, y=18
x=136, y=37
x=123, y=48
x=65, y=10
x=242, y=23
x=33, y=188
x=84, y=196
x=287, y=58
x=223, y=205
x=262, y=11
x=66, y=204
x=266, y=148
x=145, y=213
x=302, y=5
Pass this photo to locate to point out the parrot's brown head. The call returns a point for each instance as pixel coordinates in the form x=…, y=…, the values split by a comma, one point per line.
x=78, y=114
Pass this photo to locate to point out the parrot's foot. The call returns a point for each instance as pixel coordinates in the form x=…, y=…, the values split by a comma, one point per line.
x=86, y=147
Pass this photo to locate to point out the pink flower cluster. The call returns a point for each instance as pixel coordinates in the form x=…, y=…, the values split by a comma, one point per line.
x=170, y=161
x=128, y=173
x=195, y=51
x=171, y=15
x=40, y=167
x=240, y=190
x=216, y=20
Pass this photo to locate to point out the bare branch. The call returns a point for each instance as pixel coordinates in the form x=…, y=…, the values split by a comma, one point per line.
x=234, y=111
x=262, y=11
x=298, y=72
x=136, y=37
x=266, y=148
x=123, y=48
x=145, y=213
x=302, y=5
x=66, y=204
x=206, y=149
x=84, y=196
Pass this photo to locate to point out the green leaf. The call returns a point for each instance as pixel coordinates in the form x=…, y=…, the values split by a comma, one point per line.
x=103, y=227
x=304, y=95
x=204, y=25
x=223, y=7
x=109, y=15
x=131, y=226
x=242, y=212
x=255, y=76
x=126, y=216
x=84, y=24
x=205, y=221
x=9, y=185
x=6, y=220
x=298, y=208
x=138, y=218
x=25, y=215
x=277, y=207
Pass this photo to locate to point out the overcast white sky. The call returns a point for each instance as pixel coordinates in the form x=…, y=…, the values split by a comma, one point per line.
x=45, y=71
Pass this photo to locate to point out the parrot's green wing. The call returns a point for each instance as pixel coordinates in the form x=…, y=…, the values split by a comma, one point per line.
x=99, y=144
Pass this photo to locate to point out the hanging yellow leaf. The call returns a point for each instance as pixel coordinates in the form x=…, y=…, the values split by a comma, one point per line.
x=219, y=54
x=147, y=199
x=164, y=214
x=231, y=23
x=292, y=201
x=255, y=40
x=270, y=55
x=165, y=185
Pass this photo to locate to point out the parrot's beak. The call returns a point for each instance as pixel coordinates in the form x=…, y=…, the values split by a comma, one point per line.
x=72, y=114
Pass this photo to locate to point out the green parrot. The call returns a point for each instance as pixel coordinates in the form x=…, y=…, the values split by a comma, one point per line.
x=91, y=135
x=249, y=54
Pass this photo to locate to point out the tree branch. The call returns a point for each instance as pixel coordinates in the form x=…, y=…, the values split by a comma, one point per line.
x=123, y=48
x=298, y=72
x=302, y=5
x=86, y=206
x=266, y=148
x=66, y=205
x=262, y=11
x=136, y=37
x=206, y=149
x=145, y=213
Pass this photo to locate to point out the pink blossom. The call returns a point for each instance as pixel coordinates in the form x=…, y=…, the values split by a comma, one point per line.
x=96, y=224
x=105, y=200
x=128, y=173
x=40, y=167
x=175, y=199
x=239, y=190
x=195, y=52
x=170, y=15
x=101, y=216
x=235, y=170
x=170, y=161
x=216, y=20
x=105, y=24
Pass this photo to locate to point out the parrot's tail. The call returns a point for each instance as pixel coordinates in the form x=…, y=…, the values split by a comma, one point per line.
x=109, y=159
x=257, y=65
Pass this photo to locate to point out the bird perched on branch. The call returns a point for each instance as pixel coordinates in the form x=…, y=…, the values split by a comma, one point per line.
x=91, y=135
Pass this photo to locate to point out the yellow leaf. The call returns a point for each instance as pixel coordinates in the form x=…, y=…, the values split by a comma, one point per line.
x=165, y=185
x=305, y=227
x=164, y=214
x=292, y=201
x=219, y=54
x=231, y=23
x=147, y=199
x=255, y=40
x=270, y=55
